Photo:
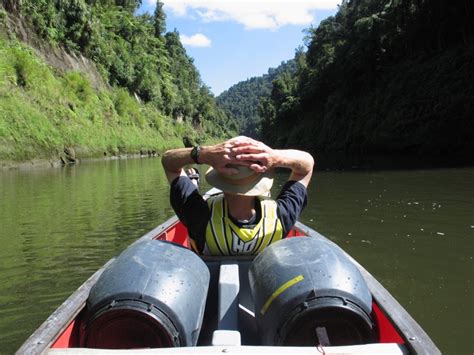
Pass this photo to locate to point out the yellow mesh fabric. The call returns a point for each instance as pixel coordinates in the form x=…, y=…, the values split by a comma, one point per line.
x=223, y=237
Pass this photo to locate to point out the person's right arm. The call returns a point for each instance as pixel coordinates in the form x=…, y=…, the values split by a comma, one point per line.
x=299, y=162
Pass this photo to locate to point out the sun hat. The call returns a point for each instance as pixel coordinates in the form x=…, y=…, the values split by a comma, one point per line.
x=245, y=182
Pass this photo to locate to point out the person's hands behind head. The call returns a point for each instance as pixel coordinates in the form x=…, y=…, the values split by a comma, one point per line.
x=219, y=156
x=256, y=154
x=262, y=158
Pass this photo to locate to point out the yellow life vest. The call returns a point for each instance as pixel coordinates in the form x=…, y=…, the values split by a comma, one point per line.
x=224, y=237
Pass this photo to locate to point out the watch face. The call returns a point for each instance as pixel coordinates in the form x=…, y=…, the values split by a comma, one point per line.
x=195, y=154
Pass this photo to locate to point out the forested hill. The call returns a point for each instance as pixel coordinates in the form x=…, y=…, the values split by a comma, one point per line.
x=94, y=77
x=381, y=77
x=242, y=99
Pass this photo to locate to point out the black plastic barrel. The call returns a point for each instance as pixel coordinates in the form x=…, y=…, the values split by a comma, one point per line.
x=153, y=295
x=307, y=292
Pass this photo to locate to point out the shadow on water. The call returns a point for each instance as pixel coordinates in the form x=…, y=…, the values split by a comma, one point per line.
x=361, y=162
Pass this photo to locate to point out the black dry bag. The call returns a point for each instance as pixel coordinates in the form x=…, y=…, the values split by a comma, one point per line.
x=307, y=292
x=153, y=295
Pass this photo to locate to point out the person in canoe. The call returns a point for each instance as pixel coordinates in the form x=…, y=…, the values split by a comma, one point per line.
x=244, y=219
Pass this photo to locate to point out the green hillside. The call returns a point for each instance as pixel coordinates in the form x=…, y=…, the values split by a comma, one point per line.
x=380, y=78
x=151, y=98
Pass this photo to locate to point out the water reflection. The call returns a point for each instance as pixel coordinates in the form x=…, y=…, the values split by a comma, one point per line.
x=60, y=225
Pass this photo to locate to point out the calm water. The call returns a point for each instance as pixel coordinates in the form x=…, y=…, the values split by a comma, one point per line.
x=412, y=229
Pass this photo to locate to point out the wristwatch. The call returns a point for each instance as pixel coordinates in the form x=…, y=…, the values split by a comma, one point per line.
x=195, y=152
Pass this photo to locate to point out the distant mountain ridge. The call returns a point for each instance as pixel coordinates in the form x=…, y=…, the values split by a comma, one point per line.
x=242, y=100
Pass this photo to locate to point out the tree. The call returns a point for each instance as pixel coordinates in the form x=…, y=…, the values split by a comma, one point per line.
x=159, y=19
x=129, y=5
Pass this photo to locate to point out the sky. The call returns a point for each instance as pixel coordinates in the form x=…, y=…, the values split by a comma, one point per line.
x=234, y=40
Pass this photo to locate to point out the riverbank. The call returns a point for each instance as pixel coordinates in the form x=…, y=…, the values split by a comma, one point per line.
x=70, y=157
x=59, y=162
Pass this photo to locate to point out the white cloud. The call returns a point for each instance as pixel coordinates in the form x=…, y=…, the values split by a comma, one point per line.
x=197, y=40
x=150, y=2
x=253, y=14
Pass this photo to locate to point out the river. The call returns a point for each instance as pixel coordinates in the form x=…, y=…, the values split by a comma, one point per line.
x=412, y=229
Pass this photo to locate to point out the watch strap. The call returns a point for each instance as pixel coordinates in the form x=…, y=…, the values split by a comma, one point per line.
x=195, y=152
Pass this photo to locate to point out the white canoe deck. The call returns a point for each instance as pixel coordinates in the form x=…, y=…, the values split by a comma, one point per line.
x=382, y=349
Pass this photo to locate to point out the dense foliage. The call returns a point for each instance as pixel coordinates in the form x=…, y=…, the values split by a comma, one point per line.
x=381, y=76
x=135, y=56
x=243, y=99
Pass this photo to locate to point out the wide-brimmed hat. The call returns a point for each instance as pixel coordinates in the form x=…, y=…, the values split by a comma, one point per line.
x=245, y=182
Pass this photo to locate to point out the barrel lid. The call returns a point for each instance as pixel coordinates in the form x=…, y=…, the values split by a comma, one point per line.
x=128, y=324
x=342, y=321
